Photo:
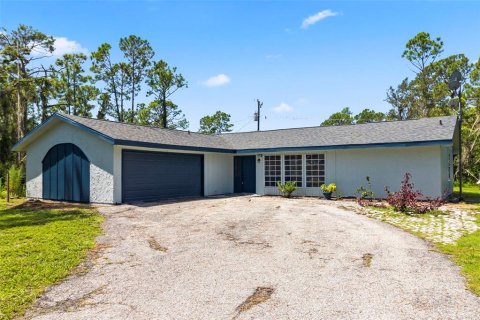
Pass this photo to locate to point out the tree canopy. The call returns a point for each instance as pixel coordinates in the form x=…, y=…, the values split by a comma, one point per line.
x=216, y=123
x=428, y=95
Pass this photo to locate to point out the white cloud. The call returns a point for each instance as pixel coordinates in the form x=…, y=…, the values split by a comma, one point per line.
x=216, y=81
x=64, y=46
x=317, y=17
x=282, y=108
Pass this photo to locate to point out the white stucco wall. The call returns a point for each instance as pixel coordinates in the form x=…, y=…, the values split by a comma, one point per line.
x=98, y=152
x=218, y=173
x=447, y=169
x=385, y=167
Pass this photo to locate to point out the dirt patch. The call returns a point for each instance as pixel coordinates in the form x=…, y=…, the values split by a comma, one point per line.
x=367, y=259
x=156, y=246
x=260, y=295
x=236, y=240
x=40, y=205
x=312, y=252
x=229, y=236
x=69, y=304
x=263, y=244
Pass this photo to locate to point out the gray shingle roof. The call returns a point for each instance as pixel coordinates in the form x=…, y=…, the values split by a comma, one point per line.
x=408, y=131
x=147, y=134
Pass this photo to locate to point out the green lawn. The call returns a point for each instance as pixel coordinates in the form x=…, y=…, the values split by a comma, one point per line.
x=466, y=253
x=40, y=244
x=471, y=193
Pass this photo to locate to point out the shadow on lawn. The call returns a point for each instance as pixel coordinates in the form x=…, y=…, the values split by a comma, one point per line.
x=469, y=197
x=34, y=213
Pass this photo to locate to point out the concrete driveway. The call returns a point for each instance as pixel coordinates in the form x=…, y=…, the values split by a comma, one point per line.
x=257, y=258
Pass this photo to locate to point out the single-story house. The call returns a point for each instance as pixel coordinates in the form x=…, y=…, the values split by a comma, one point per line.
x=78, y=159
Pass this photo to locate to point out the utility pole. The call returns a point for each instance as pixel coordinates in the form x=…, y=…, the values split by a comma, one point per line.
x=460, y=162
x=257, y=114
x=454, y=84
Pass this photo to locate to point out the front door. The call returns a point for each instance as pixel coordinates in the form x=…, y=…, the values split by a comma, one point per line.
x=244, y=174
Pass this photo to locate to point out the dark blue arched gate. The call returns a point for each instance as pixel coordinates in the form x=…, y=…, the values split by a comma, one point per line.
x=66, y=174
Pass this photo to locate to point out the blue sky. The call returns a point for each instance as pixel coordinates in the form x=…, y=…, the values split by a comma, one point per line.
x=259, y=49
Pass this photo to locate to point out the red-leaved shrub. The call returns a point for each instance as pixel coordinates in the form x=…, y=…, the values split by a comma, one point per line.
x=409, y=200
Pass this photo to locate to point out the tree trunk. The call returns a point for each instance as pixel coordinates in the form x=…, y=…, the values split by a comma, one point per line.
x=43, y=97
x=164, y=111
x=132, y=116
x=44, y=101
x=20, y=113
x=67, y=89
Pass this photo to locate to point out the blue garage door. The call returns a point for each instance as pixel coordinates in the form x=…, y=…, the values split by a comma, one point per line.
x=151, y=176
x=66, y=174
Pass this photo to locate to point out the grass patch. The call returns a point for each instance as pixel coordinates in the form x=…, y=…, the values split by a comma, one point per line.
x=40, y=244
x=466, y=253
x=471, y=193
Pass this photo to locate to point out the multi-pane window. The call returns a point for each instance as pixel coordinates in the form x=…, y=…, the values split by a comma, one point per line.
x=273, y=170
x=293, y=169
x=315, y=170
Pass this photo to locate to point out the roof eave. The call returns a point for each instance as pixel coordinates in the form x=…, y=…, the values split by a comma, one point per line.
x=131, y=143
x=350, y=146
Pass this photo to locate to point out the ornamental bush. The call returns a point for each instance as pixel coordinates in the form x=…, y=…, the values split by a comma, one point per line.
x=332, y=187
x=287, y=188
x=409, y=200
x=365, y=192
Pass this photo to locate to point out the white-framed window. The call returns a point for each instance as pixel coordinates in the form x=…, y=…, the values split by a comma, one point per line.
x=293, y=168
x=315, y=170
x=273, y=170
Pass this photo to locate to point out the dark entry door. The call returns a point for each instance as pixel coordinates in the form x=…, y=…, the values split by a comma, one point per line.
x=66, y=174
x=244, y=174
x=151, y=176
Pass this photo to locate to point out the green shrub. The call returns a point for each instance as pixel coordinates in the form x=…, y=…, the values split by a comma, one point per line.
x=332, y=187
x=365, y=192
x=15, y=175
x=287, y=188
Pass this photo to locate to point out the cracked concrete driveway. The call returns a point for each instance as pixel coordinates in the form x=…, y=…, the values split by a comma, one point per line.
x=303, y=259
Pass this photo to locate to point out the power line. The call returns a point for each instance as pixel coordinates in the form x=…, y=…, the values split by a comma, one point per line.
x=251, y=120
x=241, y=120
